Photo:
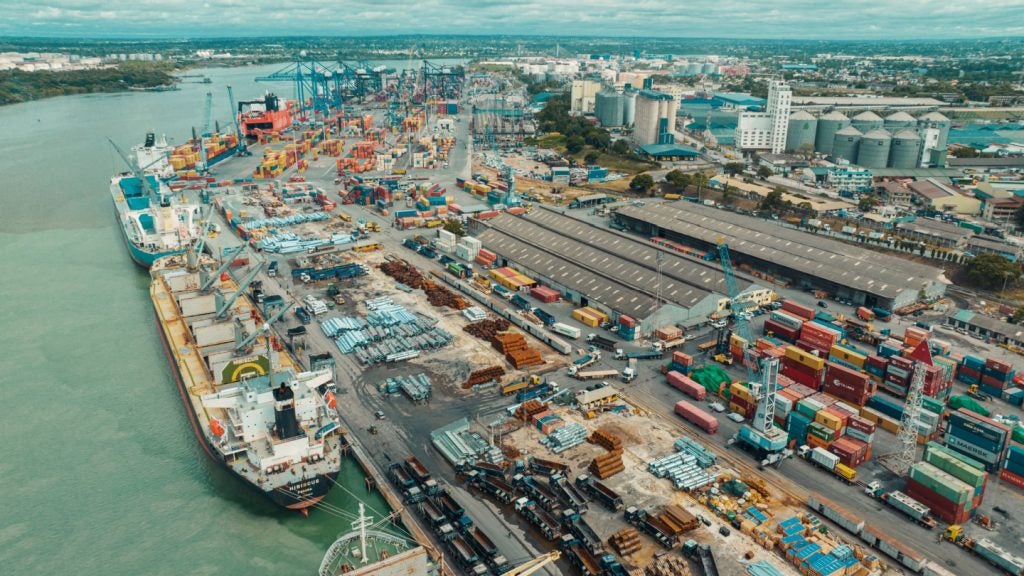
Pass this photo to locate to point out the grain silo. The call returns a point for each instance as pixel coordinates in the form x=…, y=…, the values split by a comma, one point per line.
x=905, y=151
x=873, y=151
x=628, y=107
x=608, y=107
x=940, y=123
x=845, y=145
x=803, y=127
x=709, y=68
x=866, y=122
x=693, y=68
x=897, y=121
x=828, y=125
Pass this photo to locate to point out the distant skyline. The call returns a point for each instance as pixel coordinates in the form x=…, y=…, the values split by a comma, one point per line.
x=752, y=19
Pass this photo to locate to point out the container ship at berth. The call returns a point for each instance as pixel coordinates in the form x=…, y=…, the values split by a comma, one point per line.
x=252, y=411
x=269, y=114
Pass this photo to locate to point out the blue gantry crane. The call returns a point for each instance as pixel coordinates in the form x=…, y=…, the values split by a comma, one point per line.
x=242, y=149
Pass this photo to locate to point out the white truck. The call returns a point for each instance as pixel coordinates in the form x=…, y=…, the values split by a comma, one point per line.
x=314, y=305
x=630, y=371
x=596, y=374
x=566, y=330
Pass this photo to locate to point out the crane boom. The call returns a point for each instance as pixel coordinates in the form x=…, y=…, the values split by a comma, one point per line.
x=534, y=565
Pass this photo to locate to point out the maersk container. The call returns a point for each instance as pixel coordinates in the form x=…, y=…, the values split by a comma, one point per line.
x=978, y=425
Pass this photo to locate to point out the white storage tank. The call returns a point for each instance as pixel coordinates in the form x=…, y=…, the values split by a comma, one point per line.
x=873, y=151
x=828, y=125
x=803, y=128
x=905, y=151
x=846, y=143
x=866, y=122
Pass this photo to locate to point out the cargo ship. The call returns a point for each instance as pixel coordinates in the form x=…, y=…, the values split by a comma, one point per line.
x=270, y=425
x=269, y=114
x=153, y=156
x=152, y=220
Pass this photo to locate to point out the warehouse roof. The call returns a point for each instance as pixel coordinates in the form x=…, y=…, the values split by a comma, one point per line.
x=810, y=254
x=1007, y=330
x=930, y=227
x=666, y=150
x=1008, y=162
x=612, y=268
x=855, y=101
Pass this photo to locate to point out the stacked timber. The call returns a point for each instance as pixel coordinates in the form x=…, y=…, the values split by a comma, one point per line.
x=626, y=541
x=669, y=566
x=483, y=375
x=607, y=440
x=607, y=465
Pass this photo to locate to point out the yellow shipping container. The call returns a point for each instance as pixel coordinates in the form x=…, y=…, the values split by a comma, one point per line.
x=596, y=312
x=845, y=355
x=811, y=361
x=830, y=420
x=740, y=391
x=737, y=340
x=580, y=316
x=845, y=471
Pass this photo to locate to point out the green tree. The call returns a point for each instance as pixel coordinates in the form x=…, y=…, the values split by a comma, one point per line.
x=991, y=271
x=1018, y=316
x=642, y=182
x=455, y=227
x=621, y=147
x=763, y=172
x=678, y=178
x=598, y=138
x=728, y=194
x=867, y=203
x=574, y=144
x=592, y=157
x=734, y=168
x=773, y=202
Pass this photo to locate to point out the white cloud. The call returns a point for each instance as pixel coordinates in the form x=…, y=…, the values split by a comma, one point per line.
x=907, y=19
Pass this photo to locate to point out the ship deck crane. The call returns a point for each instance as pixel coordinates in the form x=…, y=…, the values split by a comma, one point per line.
x=224, y=304
x=140, y=173
x=242, y=149
x=209, y=278
x=534, y=565
x=242, y=340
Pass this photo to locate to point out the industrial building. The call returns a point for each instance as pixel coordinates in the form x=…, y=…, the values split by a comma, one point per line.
x=897, y=141
x=582, y=96
x=789, y=256
x=937, y=195
x=803, y=128
x=766, y=130
x=655, y=120
x=618, y=274
x=987, y=327
x=615, y=108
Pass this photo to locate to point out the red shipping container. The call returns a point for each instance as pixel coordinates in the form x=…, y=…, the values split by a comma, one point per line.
x=877, y=361
x=545, y=294
x=780, y=330
x=993, y=382
x=998, y=365
x=682, y=358
x=801, y=390
x=696, y=416
x=902, y=363
x=627, y=321
x=968, y=371
x=783, y=381
x=805, y=379
x=798, y=310
x=1011, y=478
x=861, y=424
x=851, y=451
x=843, y=415
x=685, y=385
x=945, y=510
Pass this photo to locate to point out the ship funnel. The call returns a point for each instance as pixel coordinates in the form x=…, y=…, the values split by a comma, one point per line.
x=284, y=412
x=150, y=139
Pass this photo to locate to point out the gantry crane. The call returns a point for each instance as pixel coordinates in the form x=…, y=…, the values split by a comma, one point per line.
x=242, y=149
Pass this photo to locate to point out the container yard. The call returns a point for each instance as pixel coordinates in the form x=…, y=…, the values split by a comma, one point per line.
x=580, y=388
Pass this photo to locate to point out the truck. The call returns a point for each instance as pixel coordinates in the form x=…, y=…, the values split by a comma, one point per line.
x=538, y=391
x=652, y=354
x=514, y=387
x=273, y=268
x=586, y=360
x=539, y=518
x=629, y=373
x=416, y=468
x=595, y=374
x=865, y=314
x=598, y=491
x=651, y=525
x=503, y=292
x=1002, y=559
x=566, y=330
x=302, y=315
x=519, y=302
x=547, y=318
x=829, y=462
x=663, y=345
x=705, y=346
x=547, y=467
x=908, y=506
x=601, y=342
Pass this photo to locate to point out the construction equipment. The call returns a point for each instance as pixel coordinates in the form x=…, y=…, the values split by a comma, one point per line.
x=973, y=392
x=534, y=565
x=724, y=359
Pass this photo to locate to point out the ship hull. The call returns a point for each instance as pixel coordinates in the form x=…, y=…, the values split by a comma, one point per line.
x=299, y=495
x=268, y=122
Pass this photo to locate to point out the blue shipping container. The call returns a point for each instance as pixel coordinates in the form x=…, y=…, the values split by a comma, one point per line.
x=981, y=428
x=887, y=406
x=979, y=441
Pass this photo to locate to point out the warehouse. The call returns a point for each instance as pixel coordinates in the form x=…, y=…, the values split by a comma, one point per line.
x=594, y=266
x=987, y=327
x=803, y=259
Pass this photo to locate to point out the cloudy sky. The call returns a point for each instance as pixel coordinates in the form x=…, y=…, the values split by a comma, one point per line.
x=821, y=19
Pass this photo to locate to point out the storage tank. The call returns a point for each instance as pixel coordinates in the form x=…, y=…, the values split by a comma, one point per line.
x=905, y=151
x=866, y=122
x=628, y=107
x=940, y=123
x=846, y=142
x=873, y=151
x=608, y=107
x=897, y=121
x=803, y=128
x=828, y=125
x=709, y=68
x=693, y=68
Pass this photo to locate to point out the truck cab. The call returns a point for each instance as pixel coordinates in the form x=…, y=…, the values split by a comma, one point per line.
x=628, y=374
x=272, y=268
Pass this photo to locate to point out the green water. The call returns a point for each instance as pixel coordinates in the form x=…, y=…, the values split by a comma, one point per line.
x=99, y=471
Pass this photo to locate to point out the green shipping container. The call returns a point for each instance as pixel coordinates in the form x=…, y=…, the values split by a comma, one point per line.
x=808, y=408
x=963, y=468
x=825, y=433
x=932, y=405
x=943, y=484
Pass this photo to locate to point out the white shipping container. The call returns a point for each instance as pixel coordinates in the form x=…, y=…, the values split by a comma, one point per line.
x=824, y=458
x=907, y=505
x=847, y=521
x=566, y=330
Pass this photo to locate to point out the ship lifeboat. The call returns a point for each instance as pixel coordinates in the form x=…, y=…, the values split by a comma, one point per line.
x=216, y=428
x=331, y=399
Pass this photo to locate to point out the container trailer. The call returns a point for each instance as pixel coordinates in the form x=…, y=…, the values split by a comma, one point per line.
x=602, y=342
x=595, y=374
x=620, y=354
x=566, y=330
x=598, y=491
x=829, y=462
x=906, y=505
x=696, y=416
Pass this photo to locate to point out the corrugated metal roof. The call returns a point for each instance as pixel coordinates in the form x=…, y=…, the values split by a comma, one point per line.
x=813, y=255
